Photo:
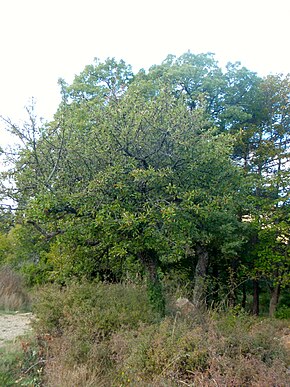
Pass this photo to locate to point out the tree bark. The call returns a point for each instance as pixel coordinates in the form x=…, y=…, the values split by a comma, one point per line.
x=275, y=294
x=232, y=297
x=199, y=291
x=256, y=298
x=244, y=299
x=149, y=260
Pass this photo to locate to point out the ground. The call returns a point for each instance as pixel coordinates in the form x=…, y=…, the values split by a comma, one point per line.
x=13, y=325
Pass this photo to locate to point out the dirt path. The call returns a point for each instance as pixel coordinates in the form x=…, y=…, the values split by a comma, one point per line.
x=13, y=325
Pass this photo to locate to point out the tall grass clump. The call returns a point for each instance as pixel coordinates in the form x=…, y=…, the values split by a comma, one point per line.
x=21, y=362
x=13, y=293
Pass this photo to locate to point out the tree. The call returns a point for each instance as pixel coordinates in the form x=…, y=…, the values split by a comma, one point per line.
x=272, y=160
x=137, y=173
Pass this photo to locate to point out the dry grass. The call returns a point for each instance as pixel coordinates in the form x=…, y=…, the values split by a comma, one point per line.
x=220, y=349
x=63, y=369
x=13, y=295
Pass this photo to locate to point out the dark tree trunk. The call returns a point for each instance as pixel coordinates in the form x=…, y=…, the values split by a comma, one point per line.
x=233, y=283
x=232, y=298
x=244, y=299
x=214, y=296
x=275, y=294
x=199, y=291
x=149, y=260
x=256, y=298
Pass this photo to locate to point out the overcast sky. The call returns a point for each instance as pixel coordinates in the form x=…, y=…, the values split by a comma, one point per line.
x=42, y=40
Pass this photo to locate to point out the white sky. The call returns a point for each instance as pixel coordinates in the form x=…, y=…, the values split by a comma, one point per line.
x=42, y=40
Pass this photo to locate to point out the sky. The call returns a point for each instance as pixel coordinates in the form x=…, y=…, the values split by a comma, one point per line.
x=44, y=40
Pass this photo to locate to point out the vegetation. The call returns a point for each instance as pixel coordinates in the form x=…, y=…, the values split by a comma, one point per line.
x=109, y=335
x=145, y=187
x=121, y=342
x=21, y=363
x=13, y=294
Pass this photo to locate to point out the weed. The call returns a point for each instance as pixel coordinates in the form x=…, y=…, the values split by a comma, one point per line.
x=91, y=309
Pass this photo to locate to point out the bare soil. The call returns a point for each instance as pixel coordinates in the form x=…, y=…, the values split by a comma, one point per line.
x=14, y=325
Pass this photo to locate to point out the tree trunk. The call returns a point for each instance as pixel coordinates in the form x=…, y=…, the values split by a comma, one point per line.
x=199, y=291
x=232, y=297
x=275, y=294
x=244, y=299
x=154, y=288
x=256, y=299
x=149, y=261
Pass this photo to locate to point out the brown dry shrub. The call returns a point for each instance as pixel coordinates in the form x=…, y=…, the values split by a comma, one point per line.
x=243, y=371
x=219, y=349
x=225, y=351
x=13, y=294
x=64, y=369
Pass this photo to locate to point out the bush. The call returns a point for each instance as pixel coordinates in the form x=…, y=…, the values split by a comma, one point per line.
x=283, y=312
x=13, y=294
x=81, y=319
x=161, y=353
x=92, y=309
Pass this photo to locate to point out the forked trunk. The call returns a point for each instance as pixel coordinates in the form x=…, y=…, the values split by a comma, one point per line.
x=149, y=261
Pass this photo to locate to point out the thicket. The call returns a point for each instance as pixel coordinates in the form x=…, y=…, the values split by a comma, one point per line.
x=101, y=334
x=108, y=335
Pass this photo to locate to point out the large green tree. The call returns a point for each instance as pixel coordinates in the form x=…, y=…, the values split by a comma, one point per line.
x=142, y=173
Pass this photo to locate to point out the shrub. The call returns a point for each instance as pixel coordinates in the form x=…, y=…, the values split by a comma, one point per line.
x=81, y=318
x=169, y=351
x=108, y=335
x=223, y=351
x=283, y=312
x=91, y=309
x=13, y=294
x=64, y=369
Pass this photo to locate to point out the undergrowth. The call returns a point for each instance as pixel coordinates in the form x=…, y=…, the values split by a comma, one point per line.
x=108, y=335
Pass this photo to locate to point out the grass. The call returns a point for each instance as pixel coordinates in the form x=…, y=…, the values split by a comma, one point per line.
x=20, y=360
x=21, y=363
x=221, y=351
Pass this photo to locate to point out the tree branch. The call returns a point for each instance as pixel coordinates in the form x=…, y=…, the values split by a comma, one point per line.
x=48, y=235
